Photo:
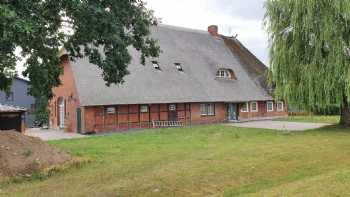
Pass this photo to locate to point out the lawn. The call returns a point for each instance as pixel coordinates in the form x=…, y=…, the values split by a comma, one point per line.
x=202, y=161
x=313, y=119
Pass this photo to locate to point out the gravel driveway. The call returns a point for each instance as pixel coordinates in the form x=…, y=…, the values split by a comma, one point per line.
x=280, y=125
x=50, y=134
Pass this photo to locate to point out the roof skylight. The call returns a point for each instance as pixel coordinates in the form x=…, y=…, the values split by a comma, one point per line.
x=155, y=65
x=179, y=67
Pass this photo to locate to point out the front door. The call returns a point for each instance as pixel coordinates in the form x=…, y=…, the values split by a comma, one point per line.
x=61, y=109
x=79, y=120
x=172, y=114
x=232, y=112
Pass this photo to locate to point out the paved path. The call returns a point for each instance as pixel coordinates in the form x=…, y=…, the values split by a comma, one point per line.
x=49, y=134
x=280, y=125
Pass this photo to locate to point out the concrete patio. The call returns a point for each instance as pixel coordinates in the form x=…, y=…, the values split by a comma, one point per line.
x=50, y=134
x=280, y=125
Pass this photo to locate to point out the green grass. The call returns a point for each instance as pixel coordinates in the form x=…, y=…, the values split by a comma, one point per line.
x=313, y=119
x=202, y=161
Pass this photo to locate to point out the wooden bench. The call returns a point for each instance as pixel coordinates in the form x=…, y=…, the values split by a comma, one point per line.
x=162, y=124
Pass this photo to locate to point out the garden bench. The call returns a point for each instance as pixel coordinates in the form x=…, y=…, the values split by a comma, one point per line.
x=161, y=124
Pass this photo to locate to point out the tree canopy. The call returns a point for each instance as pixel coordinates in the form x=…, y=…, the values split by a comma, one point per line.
x=101, y=30
x=310, y=51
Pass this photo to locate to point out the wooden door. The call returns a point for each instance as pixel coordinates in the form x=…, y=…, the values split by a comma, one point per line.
x=172, y=114
x=78, y=120
x=262, y=108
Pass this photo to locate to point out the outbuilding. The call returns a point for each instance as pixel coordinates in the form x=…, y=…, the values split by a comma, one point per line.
x=12, y=118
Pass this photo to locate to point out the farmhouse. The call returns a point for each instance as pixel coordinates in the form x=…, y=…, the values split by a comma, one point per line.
x=200, y=77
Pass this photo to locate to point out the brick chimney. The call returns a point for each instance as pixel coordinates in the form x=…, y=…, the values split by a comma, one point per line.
x=213, y=30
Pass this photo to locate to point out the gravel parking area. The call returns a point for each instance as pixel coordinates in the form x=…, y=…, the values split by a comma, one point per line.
x=49, y=134
x=280, y=125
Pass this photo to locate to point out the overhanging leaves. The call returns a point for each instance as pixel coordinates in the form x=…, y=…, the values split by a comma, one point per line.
x=309, y=39
x=101, y=30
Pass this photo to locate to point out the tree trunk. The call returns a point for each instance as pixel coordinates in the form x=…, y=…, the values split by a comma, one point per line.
x=345, y=113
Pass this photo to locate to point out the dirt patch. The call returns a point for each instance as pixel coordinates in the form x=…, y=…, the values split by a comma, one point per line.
x=22, y=155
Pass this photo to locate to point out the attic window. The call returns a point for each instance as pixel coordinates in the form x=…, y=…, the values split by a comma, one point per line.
x=179, y=67
x=226, y=74
x=155, y=65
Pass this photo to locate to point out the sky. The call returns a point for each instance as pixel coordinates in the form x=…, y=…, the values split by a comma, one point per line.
x=242, y=17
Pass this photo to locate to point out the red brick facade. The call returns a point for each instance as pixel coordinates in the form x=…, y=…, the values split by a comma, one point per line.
x=124, y=117
x=66, y=93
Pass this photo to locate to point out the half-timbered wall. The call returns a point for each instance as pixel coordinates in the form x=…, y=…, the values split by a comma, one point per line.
x=127, y=117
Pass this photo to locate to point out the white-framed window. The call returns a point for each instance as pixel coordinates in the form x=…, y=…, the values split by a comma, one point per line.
x=110, y=110
x=144, y=108
x=245, y=107
x=280, y=106
x=172, y=107
x=254, y=106
x=269, y=105
x=207, y=109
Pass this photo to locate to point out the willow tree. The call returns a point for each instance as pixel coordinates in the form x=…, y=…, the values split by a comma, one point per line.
x=310, y=52
x=101, y=30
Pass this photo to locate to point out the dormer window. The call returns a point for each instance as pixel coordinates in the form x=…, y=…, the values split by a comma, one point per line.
x=179, y=67
x=155, y=65
x=225, y=74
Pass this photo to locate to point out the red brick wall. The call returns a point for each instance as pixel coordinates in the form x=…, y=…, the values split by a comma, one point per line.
x=129, y=116
x=67, y=91
x=262, y=111
x=220, y=114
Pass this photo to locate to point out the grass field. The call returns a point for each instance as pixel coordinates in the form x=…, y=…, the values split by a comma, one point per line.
x=202, y=161
x=313, y=119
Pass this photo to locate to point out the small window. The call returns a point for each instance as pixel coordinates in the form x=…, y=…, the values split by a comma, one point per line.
x=269, y=106
x=223, y=73
x=10, y=96
x=144, y=108
x=226, y=74
x=155, y=65
x=254, y=106
x=172, y=107
x=179, y=67
x=280, y=106
x=110, y=110
x=207, y=109
x=245, y=107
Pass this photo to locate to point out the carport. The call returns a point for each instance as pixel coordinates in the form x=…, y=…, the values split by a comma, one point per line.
x=12, y=118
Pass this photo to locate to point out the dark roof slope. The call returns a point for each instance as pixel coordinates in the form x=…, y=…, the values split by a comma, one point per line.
x=200, y=55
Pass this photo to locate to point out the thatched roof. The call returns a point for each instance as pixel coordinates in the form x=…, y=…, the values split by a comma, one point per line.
x=200, y=55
